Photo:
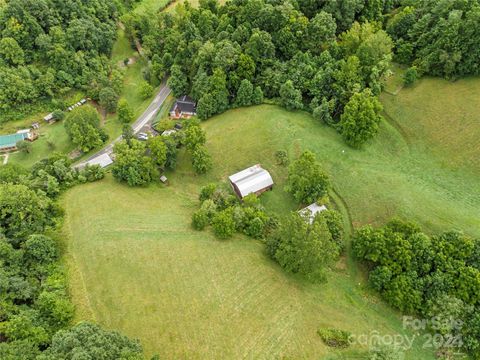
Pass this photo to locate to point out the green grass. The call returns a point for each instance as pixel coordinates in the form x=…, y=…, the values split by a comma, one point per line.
x=150, y=6
x=440, y=118
x=137, y=266
x=40, y=149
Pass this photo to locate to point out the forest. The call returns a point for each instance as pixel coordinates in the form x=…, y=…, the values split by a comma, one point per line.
x=49, y=47
x=327, y=57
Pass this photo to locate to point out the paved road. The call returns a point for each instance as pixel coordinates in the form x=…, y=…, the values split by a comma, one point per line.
x=147, y=116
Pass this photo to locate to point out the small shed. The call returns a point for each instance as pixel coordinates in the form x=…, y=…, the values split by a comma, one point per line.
x=103, y=160
x=311, y=210
x=164, y=179
x=253, y=180
x=49, y=118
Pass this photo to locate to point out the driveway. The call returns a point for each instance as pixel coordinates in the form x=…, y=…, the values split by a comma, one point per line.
x=147, y=117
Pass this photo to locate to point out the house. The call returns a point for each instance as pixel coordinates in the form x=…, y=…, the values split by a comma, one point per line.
x=103, y=160
x=9, y=142
x=49, y=118
x=254, y=180
x=311, y=210
x=184, y=108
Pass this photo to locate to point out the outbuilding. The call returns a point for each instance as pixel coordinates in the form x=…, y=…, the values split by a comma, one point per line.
x=253, y=180
x=103, y=161
x=311, y=210
x=49, y=118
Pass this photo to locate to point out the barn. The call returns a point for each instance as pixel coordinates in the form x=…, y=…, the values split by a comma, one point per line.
x=253, y=180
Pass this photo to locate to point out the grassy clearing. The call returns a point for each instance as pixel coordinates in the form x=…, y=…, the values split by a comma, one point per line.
x=440, y=118
x=150, y=6
x=136, y=264
x=40, y=149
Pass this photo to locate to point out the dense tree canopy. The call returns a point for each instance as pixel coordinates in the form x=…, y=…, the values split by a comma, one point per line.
x=301, y=55
x=83, y=127
x=306, y=181
x=89, y=341
x=132, y=164
x=48, y=47
x=432, y=276
x=440, y=37
x=303, y=247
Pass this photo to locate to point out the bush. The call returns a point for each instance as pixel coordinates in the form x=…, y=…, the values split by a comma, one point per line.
x=145, y=90
x=282, y=157
x=410, y=76
x=93, y=173
x=210, y=208
x=335, y=338
x=255, y=228
x=200, y=219
x=206, y=192
x=223, y=225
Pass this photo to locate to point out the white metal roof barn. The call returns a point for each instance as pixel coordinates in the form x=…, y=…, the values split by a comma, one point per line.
x=254, y=180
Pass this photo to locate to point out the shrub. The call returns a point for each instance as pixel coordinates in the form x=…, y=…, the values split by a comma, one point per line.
x=206, y=192
x=210, y=208
x=223, y=225
x=254, y=228
x=335, y=337
x=282, y=157
x=200, y=219
x=410, y=76
x=93, y=173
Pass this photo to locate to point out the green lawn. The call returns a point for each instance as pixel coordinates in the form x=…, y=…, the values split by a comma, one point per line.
x=137, y=266
x=40, y=149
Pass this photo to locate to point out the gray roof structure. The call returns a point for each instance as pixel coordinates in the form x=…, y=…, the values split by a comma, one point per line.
x=103, y=160
x=311, y=210
x=251, y=180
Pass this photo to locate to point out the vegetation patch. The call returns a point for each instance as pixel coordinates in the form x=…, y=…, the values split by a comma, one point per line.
x=335, y=338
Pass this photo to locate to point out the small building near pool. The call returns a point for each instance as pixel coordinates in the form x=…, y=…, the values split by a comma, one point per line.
x=253, y=180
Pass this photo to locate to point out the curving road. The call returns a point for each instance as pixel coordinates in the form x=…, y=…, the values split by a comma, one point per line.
x=147, y=116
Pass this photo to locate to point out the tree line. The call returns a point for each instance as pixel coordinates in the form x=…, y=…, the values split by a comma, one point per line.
x=48, y=47
x=433, y=276
x=35, y=308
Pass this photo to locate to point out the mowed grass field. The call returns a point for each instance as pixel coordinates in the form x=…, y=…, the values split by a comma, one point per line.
x=137, y=266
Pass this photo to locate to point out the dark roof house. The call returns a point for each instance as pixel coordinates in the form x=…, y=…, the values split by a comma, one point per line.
x=184, y=107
